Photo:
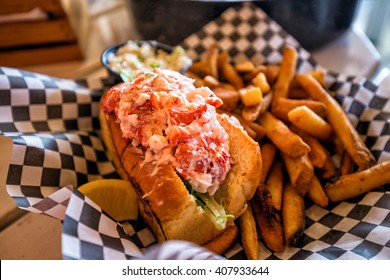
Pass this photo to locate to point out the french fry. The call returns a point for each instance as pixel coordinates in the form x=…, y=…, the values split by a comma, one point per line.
x=222, y=242
x=268, y=153
x=243, y=122
x=339, y=122
x=272, y=72
x=250, y=75
x=251, y=113
x=260, y=80
x=199, y=68
x=287, y=141
x=317, y=155
x=284, y=105
x=247, y=127
x=293, y=213
x=223, y=57
x=286, y=72
x=269, y=221
x=298, y=93
x=211, y=81
x=199, y=82
x=300, y=171
x=274, y=185
x=338, y=146
x=230, y=98
x=211, y=57
x=227, y=86
x=308, y=121
x=316, y=193
x=251, y=95
x=249, y=235
x=319, y=75
x=347, y=164
x=267, y=99
x=355, y=184
x=329, y=169
x=260, y=131
x=245, y=66
x=231, y=75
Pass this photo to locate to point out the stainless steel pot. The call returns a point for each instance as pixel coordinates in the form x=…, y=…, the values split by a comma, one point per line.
x=312, y=22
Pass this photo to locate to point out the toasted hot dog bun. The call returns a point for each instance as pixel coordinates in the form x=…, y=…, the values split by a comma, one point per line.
x=164, y=201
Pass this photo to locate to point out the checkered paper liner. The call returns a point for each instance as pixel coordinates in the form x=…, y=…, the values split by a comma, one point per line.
x=54, y=127
x=53, y=124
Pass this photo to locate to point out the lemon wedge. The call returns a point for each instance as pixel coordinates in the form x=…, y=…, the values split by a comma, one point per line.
x=116, y=197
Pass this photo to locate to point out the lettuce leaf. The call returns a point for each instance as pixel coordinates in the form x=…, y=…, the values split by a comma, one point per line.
x=214, y=210
x=125, y=75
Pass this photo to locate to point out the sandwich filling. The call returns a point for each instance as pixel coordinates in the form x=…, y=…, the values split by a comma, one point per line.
x=173, y=122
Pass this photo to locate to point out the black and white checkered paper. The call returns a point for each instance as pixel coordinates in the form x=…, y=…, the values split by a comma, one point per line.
x=54, y=127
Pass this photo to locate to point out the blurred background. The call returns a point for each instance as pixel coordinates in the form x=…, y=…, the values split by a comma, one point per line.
x=373, y=18
x=98, y=24
x=315, y=23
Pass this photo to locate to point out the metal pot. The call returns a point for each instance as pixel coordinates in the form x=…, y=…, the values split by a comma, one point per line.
x=313, y=23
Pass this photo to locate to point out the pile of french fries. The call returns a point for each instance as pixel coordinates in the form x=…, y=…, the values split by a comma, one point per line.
x=299, y=126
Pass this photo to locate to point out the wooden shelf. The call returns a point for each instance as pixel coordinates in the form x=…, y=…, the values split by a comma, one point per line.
x=41, y=55
x=52, y=7
x=15, y=34
x=30, y=42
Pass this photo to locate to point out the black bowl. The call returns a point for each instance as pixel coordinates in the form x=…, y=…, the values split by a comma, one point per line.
x=114, y=76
